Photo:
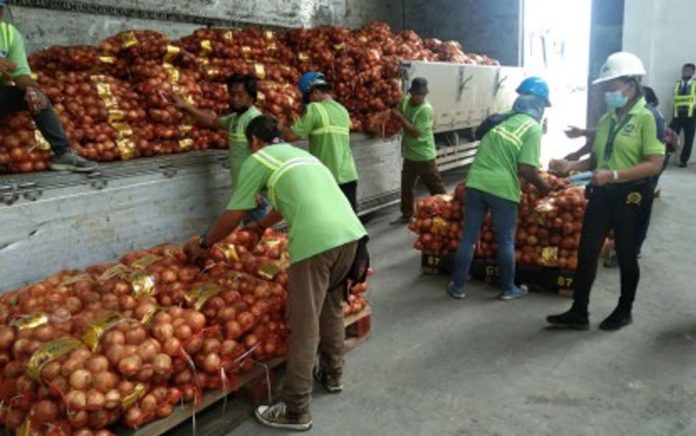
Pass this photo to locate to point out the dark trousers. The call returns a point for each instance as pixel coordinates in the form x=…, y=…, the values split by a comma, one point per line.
x=350, y=190
x=625, y=209
x=412, y=171
x=682, y=122
x=12, y=101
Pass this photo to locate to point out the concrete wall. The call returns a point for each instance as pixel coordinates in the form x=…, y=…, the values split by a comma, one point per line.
x=491, y=27
x=88, y=21
x=659, y=32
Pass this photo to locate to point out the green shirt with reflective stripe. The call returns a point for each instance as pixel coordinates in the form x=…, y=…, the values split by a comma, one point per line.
x=303, y=190
x=12, y=48
x=327, y=126
x=421, y=148
x=515, y=141
x=236, y=125
x=634, y=142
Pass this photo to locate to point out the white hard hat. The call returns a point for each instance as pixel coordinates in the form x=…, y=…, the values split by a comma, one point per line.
x=620, y=64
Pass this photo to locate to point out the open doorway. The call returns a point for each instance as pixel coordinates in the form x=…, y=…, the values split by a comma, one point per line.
x=557, y=47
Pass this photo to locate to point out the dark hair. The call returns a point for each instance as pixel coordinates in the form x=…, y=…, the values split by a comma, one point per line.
x=264, y=127
x=690, y=65
x=650, y=96
x=249, y=82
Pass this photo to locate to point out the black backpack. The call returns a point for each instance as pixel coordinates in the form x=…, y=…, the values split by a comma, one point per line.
x=358, y=270
x=489, y=123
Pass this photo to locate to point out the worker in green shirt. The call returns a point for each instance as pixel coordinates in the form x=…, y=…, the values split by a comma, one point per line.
x=415, y=114
x=626, y=155
x=509, y=150
x=243, y=90
x=20, y=92
x=326, y=123
x=324, y=234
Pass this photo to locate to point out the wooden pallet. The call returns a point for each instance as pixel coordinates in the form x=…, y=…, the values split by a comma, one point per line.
x=253, y=384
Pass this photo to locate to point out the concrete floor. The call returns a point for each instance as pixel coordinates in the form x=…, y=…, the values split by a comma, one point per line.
x=435, y=366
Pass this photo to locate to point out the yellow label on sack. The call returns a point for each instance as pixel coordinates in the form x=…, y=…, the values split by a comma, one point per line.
x=25, y=428
x=230, y=252
x=340, y=46
x=97, y=329
x=269, y=34
x=212, y=71
x=198, y=296
x=303, y=57
x=143, y=284
x=48, y=352
x=97, y=78
x=291, y=101
x=126, y=148
x=118, y=270
x=174, y=74
x=107, y=59
x=123, y=129
x=172, y=52
x=439, y=224
x=272, y=46
x=228, y=36
x=185, y=129
x=268, y=271
x=145, y=261
x=362, y=39
x=115, y=115
x=40, y=141
x=261, y=96
x=549, y=255
x=260, y=71
x=30, y=321
x=246, y=50
x=110, y=103
x=206, y=47
x=148, y=317
x=128, y=39
x=103, y=89
x=76, y=278
x=186, y=144
x=133, y=397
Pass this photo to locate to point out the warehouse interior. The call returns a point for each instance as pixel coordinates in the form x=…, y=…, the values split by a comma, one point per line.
x=420, y=362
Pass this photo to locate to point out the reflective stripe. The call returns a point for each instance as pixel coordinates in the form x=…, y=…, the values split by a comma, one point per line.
x=284, y=168
x=267, y=160
x=326, y=126
x=685, y=101
x=516, y=141
x=523, y=128
x=7, y=36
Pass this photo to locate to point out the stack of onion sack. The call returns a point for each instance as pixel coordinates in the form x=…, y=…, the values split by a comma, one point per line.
x=548, y=229
x=22, y=147
x=451, y=51
x=102, y=116
x=357, y=299
x=438, y=223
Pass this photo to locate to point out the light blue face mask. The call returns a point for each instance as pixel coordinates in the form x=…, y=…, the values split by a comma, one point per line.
x=530, y=105
x=615, y=99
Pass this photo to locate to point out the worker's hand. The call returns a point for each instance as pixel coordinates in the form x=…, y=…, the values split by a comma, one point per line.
x=397, y=113
x=7, y=67
x=36, y=99
x=193, y=250
x=602, y=177
x=560, y=166
x=575, y=132
x=180, y=102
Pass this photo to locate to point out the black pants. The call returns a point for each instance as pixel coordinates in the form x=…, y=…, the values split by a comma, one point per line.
x=689, y=127
x=625, y=209
x=12, y=101
x=350, y=190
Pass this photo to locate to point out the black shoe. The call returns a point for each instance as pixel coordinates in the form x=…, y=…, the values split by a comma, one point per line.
x=331, y=383
x=618, y=319
x=682, y=165
x=69, y=161
x=569, y=320
x=400, y=220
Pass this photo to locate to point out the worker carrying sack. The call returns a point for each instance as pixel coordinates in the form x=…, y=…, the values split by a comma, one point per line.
x=358, y=270
x=489, y=123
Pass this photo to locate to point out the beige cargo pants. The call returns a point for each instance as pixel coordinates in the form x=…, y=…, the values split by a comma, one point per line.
x=315, y=320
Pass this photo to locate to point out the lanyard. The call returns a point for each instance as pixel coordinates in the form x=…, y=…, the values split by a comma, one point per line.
x=609, y=147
